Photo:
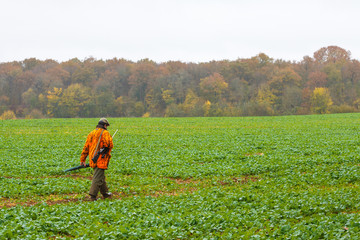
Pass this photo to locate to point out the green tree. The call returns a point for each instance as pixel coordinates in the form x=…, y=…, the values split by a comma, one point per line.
x=4, y=103
x=138, y=109
x=30, y=99
x=85, y=76
x=238, y=90
x=120, y=107
x=174, y=110
x=335, y=82
x=104, y=104
x=291, y=100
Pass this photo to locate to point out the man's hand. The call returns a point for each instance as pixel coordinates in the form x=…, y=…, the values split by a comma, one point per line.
x=82, y=164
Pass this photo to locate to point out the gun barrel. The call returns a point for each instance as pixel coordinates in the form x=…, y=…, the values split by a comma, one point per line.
x=114, y=133
x=77, y=167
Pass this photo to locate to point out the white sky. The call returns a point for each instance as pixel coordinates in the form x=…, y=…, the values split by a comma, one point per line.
x=185, y=30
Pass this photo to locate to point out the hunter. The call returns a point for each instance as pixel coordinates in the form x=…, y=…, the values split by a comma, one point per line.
x=98, y=146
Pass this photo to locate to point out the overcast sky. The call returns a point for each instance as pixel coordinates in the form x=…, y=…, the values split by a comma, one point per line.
x=185, y=30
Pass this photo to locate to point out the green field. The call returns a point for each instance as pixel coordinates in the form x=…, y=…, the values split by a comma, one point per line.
x=290, y=177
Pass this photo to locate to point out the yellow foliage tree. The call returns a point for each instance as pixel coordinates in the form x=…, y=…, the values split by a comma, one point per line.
x=53, y=99
x=320, y=100
x=167, y=96
x=190, y=102
x=265, y=95
x=206, y=107
x=7, y=115
x=74, y=98
x=146, y=115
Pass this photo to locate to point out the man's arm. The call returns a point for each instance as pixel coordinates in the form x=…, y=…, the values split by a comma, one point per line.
x=85, y=151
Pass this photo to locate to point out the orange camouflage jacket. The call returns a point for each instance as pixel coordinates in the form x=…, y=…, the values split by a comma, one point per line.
x=90, y=145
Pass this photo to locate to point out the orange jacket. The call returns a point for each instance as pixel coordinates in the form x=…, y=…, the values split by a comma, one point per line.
x=90, y=145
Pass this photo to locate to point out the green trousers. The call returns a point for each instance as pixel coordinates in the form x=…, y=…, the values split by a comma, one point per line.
x=98, y=183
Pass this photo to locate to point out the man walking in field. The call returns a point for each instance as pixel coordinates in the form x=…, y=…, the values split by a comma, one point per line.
x=98, y=146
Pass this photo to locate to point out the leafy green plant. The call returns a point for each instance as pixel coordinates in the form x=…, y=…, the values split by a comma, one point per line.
x=294, y=177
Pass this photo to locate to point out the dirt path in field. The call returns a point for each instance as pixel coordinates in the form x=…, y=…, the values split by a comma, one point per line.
x=72, y=198
x=75, y=176
x=186, y=186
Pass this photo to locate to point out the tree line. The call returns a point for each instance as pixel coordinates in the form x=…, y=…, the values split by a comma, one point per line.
x=328, y=82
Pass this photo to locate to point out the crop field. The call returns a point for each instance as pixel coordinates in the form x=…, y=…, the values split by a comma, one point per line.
x=289, y=177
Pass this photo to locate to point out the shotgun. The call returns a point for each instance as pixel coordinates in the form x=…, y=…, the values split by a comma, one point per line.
x=77, y=167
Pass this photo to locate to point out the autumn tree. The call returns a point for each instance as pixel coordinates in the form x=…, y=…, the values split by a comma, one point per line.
x=265, y=95
x=167, y=96
x=10, y=74
x=179, y=82
x=284, y=78
x=320, y=100
x=73, y=100
x=85, y=76
x=331, y=54
x=56, y=77
x=213, y=86
x=98, y=66
x=53, y=99
x=258, y=85
x=143, y=72
x=192, y=105
x=304, y=68
x=71, y=66
x=30, y=63
x=155, y=103
x=316, y=79
x=7, y=115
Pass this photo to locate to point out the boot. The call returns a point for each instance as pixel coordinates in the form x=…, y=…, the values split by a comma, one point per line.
x=92, y=198
x=107, y=195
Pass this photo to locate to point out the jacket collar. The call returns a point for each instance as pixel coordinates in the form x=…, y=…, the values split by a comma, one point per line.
x=101, y=126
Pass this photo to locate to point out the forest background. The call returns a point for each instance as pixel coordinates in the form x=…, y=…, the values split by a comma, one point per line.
x=328, y=82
